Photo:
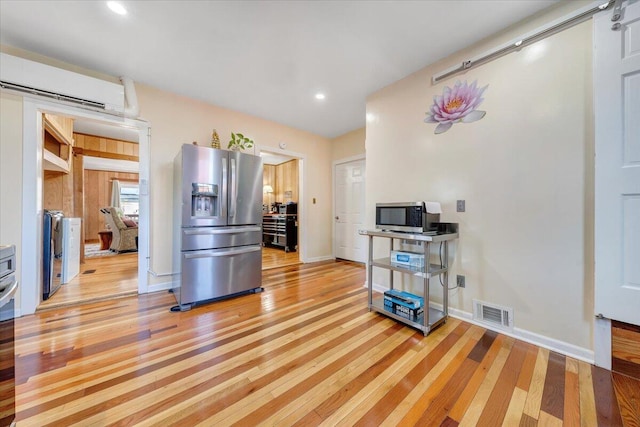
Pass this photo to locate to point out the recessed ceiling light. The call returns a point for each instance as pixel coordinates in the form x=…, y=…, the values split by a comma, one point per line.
x=320, y=96
x=117, y=7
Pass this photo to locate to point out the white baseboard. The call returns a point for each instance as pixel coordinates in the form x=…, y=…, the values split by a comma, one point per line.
x=162, y=286
x=320, y=258
x=553, y=344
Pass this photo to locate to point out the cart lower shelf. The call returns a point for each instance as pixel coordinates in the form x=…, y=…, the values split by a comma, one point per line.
x=436, y=317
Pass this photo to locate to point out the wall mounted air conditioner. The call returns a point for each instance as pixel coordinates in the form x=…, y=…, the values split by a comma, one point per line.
x=34, y=78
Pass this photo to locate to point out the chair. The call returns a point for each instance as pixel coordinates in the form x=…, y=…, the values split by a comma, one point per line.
x=124, y=237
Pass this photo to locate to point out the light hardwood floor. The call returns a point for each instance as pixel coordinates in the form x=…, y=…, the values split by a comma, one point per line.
x=100, y=278
x=306, y=351
x=116, y=276
x=274, y=258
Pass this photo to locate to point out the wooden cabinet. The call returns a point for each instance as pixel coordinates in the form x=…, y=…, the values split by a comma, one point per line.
x=58, y=142
x=61, y=127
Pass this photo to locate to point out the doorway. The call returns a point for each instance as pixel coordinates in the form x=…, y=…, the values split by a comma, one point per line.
x=281, y=210
x=33, y=148
x=105, y=173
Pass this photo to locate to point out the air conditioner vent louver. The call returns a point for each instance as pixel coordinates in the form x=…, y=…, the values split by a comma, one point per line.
x=491, y=314
x=47, y=94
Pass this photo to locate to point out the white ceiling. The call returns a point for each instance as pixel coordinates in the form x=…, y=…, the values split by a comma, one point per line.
x=265, y=58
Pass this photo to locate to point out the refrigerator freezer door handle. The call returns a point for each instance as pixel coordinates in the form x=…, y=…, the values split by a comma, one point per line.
x=224, y=185
x=223, y=253
x=8, y=292
x=234, y=189
x=222, y=231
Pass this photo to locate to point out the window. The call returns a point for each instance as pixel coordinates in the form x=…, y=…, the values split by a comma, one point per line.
x=129, y=199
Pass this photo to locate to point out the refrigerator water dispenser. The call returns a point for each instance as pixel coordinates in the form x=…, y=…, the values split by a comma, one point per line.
x=204, y=200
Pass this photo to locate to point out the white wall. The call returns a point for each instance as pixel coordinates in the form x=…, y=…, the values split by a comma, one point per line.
x=11, y=175
x=525, y=171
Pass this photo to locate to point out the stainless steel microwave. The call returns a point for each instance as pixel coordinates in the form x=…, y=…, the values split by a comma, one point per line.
x=408, y=217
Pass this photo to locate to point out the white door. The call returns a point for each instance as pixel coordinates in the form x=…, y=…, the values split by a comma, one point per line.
x=617, y=179
x=349, y=211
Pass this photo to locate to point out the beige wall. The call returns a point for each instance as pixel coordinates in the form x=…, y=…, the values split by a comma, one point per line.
x=525, y=171
x=348, y=145
x=177, y=120
x=11, y=174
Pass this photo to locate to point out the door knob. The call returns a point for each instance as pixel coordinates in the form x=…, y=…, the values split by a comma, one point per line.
x=337, y=218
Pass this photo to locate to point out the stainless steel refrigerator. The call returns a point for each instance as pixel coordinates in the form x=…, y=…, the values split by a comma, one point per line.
x=217, y=224
x=51, y=252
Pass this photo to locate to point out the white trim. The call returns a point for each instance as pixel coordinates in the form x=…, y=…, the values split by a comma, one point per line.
x=302, y=202
x=162, y=286
x=32, y=191
x=602, y=343
x=144, y=223
x=356, y=158
x=31, y=256
x=553, y=344
x=320, y=258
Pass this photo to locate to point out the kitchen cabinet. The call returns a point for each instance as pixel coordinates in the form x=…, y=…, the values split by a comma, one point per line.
x=431, y=317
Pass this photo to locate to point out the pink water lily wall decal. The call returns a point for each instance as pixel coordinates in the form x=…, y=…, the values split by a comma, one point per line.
x=457, y=104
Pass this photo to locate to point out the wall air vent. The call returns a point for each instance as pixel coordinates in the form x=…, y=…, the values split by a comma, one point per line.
x=492, y=314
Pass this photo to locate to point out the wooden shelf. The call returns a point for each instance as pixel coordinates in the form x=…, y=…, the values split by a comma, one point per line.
x=58, y=140
x=61, y=128
x=51, y=162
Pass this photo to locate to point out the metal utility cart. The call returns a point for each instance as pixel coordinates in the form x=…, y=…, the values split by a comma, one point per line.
x=431, y=317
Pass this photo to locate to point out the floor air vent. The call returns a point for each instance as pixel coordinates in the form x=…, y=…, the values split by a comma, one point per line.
x=500, y=317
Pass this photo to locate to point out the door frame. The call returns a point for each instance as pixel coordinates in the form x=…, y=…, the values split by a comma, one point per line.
x=302, y=204
x=32, y=191
x=344, y=160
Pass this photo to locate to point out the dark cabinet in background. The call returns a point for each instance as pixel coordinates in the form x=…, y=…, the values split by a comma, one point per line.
x=280, y=231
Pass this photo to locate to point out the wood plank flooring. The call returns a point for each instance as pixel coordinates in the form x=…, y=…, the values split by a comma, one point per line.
x=274, y=258
x=304, y=352
x=625, y=349
x=100, y=278
x=103, y=278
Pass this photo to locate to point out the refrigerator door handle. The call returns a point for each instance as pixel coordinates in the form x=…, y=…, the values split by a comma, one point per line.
x=223, y=253
x=8, y=292
x=224, y=185
x=197, y=231
x=234, y=189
